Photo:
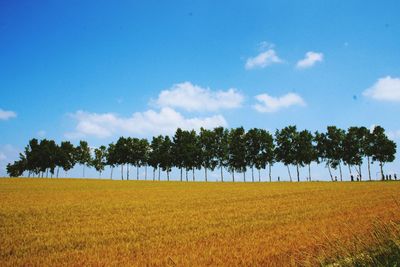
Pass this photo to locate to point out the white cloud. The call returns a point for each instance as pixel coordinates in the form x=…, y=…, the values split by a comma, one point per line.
x=310, y=59
x=150, y=122
x=195, y=98
x=385, y=89
x=7, y=114
x=272, y=104
x=263, y=59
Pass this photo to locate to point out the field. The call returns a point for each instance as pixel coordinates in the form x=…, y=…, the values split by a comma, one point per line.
x=112, y=223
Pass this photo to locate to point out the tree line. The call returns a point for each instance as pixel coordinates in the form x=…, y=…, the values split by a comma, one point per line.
x=232, y=149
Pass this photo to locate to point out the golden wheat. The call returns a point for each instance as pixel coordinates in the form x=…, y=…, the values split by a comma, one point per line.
x=113, y=223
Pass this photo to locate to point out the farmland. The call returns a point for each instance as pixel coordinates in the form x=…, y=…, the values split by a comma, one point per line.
x=103, y=222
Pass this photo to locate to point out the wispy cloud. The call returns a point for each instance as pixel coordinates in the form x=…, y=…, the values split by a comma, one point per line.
x=150, y=122
x=269, y=104
x=263, y=60
x=310, y=59
x=7, y=114
x=190, y=97
x=385, y=89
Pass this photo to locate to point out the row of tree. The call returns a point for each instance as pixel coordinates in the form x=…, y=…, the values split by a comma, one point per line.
x=233, y=149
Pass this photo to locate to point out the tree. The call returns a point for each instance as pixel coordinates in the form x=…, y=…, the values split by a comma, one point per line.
x=306, y=152
x=83, y=156
x=335, y=140
x=155, y=154
x=66, y=158
x=352, y=150
x=122, y=153
x=237, y=152
x=383, y=149
x=178, y=150
x=221, y=148
x=144, y=149
x=100, y=159
x=18, y=167
x=166, y=160
x=267, y=152
x=253, y=149
x=285, y=146
x=208, y=149
x=111, y=158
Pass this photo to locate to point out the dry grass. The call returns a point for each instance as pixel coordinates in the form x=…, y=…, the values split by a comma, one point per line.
x=114, y=223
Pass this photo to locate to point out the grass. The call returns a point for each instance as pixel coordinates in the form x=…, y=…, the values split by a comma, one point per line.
x=113, y=223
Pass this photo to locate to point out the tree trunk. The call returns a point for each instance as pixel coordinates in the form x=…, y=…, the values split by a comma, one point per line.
x=309, y=172
x=111, y=176
x=369, y=169
x=181, y=173
x=351, y=175
x=154, y=174
x=244, y=176
x=47, y=173
x=381, y=165
x=187, y=180
x=359, y=171
x=330, y=172
x=298, y=173
x=340, y=170
x=127, y=171
x=168, y=175
x=58, y=170
x=122, y=171
x=222, y=175
x=259, y=175
x=145, y=172
x=233, y=175
x=290, y=175
x=159, y=173
x=269, y=172
x=252, y=174
x=205, y=173
x=137, y=172
x=193, y=174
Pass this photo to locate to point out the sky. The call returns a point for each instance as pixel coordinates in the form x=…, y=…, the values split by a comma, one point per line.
x=97, y=70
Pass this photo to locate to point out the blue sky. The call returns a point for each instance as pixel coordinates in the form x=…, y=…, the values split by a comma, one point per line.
x=93, y=70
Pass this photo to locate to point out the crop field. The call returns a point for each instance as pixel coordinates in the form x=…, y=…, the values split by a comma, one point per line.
x=80, y=222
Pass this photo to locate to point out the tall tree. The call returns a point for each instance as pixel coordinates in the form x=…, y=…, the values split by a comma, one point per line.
x=221, y=147
x=166, y=160
x=99, y=160
x=112, y=158
x=208, y=148
x=267, y=152
x=352, y=150
x=178, y=150
x=155, y=154
x=83, y=156
x=237, y=152
x=383, y=149
x=306, y=152
x=253, y=149
x=285, y=146
x=335, y=141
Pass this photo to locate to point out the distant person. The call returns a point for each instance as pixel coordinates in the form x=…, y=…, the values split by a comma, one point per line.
x=358, y=178
x=387, y=177
x=390, y=177
x=395, y=176
x=335, y=178
x=279, y=179
x=352, y=178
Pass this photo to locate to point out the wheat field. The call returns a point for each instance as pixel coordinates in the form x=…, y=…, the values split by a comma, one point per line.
x=78, y=222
